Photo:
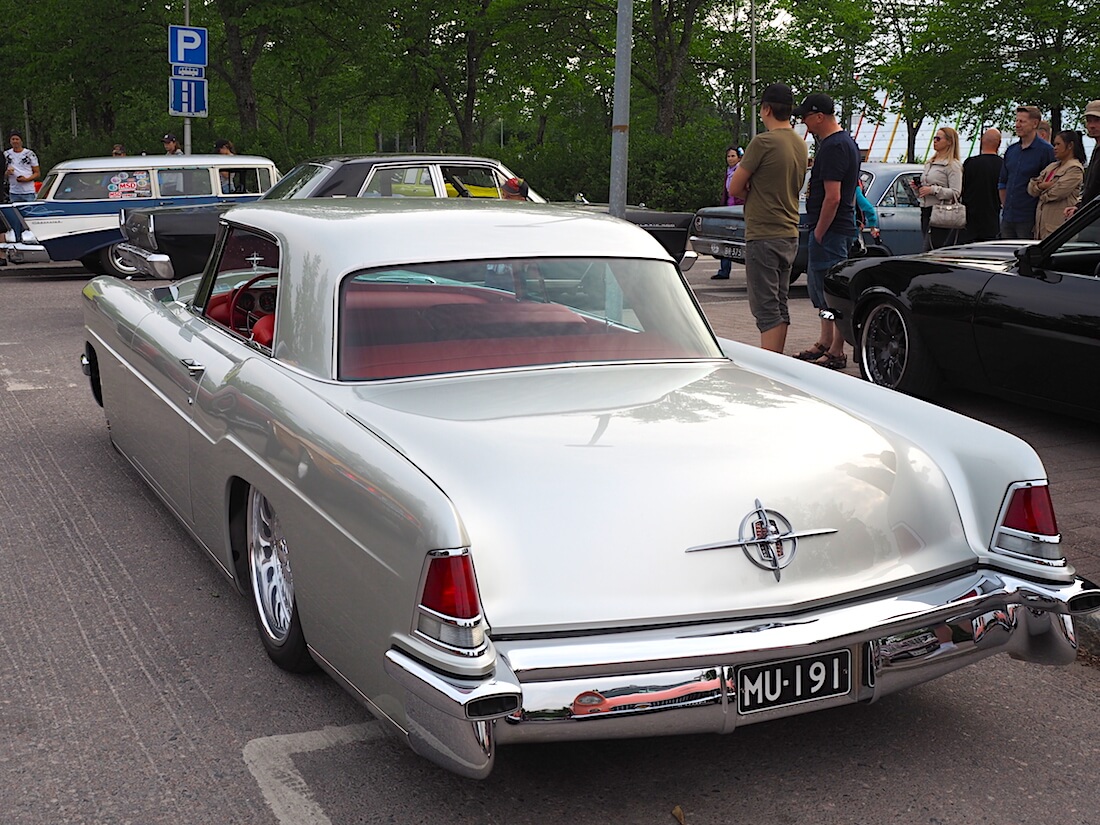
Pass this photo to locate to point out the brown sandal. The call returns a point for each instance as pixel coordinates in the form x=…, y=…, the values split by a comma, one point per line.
x=832, y=362
x=813, y=353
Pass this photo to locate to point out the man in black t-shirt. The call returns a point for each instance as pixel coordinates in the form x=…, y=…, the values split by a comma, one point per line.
x=979, y=193
x=830, y=214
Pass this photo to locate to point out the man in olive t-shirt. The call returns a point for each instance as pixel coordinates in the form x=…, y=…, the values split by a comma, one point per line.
x=769, y=178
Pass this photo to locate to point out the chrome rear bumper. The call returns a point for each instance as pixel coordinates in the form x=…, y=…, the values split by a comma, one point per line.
x=155, y=264
x=25, y=253
x=683, y=679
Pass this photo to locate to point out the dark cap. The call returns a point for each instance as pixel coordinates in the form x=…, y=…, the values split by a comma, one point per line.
x=779, y=93
x=169, y=138
x=814, y=103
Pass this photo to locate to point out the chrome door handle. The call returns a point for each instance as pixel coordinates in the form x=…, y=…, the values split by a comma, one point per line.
x=194, y=368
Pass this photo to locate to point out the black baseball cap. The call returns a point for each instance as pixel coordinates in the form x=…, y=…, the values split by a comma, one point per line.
x=169, y=138
x=817, y=102
x=779, y=93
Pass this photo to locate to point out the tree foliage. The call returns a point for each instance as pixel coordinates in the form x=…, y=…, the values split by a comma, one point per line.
x=531, y=81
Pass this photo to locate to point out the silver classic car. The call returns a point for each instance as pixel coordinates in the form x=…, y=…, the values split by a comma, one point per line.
x=488, y=466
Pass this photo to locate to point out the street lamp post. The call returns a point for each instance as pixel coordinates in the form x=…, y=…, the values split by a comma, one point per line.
x=752, y=68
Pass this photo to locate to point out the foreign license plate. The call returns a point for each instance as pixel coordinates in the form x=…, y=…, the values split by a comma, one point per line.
x=793, y=681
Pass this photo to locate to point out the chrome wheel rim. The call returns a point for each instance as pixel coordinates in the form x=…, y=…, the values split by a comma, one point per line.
x=269, y=565
x=119, y=264
x=885, y=345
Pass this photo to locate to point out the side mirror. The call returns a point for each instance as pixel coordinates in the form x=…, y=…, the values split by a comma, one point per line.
x=1030, y=258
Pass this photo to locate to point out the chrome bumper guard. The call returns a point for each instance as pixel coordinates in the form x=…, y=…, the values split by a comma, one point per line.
x=155, y=264
x=684, y=678
x=25, y=253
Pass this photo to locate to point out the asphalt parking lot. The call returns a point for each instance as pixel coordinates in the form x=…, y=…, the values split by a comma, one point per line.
x=134, y=689
x=1070, y=448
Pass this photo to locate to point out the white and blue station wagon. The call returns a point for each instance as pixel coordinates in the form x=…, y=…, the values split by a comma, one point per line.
x=76, y=214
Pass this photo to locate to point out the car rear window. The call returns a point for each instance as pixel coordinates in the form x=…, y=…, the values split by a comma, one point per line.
x=436, y=318
x=105, y=185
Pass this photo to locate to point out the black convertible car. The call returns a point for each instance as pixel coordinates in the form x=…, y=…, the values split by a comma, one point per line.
x=174, y=242
x=1018, y=319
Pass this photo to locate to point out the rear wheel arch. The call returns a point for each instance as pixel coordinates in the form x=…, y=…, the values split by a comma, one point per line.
x=262, y=565
x=91, y=362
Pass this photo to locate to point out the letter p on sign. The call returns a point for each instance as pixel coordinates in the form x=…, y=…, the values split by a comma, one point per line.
x=187, y=45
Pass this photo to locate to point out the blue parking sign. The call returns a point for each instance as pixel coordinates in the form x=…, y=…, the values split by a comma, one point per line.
x=187, y=45
x=187, y=97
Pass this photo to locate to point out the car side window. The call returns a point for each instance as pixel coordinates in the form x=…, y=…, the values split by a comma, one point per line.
x=399, y=182
x=109, y=185
x=184, y=182
x=1079, y=253
x=472, y=181
x=243, y=180
x=902, y=192
x=245, y=284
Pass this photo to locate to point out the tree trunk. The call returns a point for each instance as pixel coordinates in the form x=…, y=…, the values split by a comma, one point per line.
x=241, y=59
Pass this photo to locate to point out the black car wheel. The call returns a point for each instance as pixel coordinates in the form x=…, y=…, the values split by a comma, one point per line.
x=892, y=353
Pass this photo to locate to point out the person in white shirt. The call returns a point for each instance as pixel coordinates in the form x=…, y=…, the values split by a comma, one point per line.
x=22, y=170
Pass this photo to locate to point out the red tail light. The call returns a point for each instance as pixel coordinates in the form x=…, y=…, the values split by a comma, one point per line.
x=1031, y=511
x=450, y=588
x=449, y=614
x=1028, y=529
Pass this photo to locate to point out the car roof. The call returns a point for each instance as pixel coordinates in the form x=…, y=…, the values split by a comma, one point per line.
x=354, y=233
x=887, y=168
x=160, y=161
x=397, y=157
x=323, y=240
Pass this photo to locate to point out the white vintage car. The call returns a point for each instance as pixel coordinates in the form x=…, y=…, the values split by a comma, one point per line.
x=487, y=465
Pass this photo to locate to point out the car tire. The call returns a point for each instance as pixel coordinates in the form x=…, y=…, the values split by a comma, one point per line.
x=92, y=264
x=272, y=587
x=891, y=352
x=110, y=263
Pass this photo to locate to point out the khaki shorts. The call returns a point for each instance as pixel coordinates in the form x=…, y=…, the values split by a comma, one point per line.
x=768, y=276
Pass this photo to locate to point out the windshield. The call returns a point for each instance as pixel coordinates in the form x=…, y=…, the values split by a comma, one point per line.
x=437, y=318
x=296, y=180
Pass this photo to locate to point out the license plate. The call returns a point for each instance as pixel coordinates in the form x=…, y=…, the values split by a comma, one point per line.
x=737, y=253
x=793, y=681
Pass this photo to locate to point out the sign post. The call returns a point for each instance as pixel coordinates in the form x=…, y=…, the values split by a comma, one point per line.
x=187, y=54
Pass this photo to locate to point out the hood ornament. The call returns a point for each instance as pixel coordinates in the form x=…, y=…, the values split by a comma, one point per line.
x=767, y=539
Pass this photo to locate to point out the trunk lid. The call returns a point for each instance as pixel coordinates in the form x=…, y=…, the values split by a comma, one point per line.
x=582, y=490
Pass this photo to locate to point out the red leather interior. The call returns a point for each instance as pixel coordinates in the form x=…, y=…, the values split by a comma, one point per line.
x=263, y=331
x=401, y=330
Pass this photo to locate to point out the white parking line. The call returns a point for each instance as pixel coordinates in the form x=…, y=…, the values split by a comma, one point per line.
x=284, y=789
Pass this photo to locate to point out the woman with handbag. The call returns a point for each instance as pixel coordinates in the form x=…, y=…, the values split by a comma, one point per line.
x=1058, y=186
x=941, y=186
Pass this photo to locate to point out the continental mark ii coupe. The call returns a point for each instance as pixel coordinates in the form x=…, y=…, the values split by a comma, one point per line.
x=487, y=465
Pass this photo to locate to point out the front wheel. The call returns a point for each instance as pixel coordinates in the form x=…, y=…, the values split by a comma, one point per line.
x=269, y=558
x=111, y=263
x=892, y=353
